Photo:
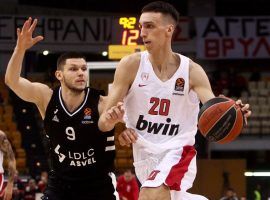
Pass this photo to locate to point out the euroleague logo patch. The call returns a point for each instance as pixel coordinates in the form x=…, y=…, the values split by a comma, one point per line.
x=87, y=112
x=87, y=116
x=179, y=86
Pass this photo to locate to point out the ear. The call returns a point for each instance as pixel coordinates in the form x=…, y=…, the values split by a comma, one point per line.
x=171, y=29
x=58, y=74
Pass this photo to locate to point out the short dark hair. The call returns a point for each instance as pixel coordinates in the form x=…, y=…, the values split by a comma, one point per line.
x=162, y=7
x=63, y=57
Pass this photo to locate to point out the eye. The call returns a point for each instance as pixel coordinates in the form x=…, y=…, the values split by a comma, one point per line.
x=84, y=68
x=149, y=26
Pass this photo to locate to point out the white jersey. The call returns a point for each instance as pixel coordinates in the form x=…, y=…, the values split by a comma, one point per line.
x=164, y=114
x=1, y=162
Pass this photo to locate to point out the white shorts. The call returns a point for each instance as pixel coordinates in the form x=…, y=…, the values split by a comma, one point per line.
x=174, y=168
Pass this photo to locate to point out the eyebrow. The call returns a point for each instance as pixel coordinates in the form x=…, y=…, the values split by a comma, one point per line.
x=146, y=23
x=75, y=65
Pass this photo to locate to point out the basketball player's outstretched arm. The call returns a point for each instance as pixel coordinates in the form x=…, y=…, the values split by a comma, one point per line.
x=123, y=78
x=33, y=92
x=5, y=147
x=199, y=82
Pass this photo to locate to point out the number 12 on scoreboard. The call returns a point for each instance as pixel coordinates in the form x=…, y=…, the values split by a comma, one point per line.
x=130, y=33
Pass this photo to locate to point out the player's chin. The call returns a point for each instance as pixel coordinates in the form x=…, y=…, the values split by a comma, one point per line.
x=79, y=88
x=81, y=85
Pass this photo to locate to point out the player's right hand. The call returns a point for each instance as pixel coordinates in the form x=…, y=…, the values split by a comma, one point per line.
x=127, y=137
x=25, y=38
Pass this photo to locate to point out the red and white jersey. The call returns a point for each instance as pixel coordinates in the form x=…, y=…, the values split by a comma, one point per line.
x=164, y=114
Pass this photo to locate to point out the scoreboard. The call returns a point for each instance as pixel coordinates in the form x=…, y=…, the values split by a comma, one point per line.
x=125, y=37
x=125, y=31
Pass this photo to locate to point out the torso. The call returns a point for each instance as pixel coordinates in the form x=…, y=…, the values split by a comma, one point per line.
x=162, y=110
x=78, y=149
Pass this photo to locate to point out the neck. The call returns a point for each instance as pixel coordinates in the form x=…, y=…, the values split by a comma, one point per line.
x=161, y=57
x=72, y=99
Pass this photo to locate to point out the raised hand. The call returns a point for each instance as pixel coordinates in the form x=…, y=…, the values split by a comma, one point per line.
x=25, y=38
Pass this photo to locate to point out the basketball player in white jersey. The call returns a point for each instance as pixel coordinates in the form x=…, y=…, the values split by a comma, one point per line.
x=6, y=150
x=161, y=90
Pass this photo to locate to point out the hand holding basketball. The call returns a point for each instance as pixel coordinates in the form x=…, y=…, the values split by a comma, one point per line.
x=221, y=119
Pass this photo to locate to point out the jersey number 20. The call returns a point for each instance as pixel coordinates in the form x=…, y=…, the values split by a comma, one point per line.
x=160, y=106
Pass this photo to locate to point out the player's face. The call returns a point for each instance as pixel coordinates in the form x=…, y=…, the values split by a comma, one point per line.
x=153, y=30
x=75, y=74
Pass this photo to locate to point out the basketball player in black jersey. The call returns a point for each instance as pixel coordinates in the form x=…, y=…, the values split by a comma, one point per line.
x=81, y=157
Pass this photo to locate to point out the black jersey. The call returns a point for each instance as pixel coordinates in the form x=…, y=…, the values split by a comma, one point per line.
x=78, y=149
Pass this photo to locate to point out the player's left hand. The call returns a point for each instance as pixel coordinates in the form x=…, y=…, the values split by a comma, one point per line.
x=127, y=137
x=245, y=109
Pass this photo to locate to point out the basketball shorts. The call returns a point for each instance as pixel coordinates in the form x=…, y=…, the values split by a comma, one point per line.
x=174, y=168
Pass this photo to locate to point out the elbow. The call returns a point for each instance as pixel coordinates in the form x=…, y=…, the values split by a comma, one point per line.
x=8, y=80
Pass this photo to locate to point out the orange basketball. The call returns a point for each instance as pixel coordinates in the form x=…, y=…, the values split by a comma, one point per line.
x=220, y=120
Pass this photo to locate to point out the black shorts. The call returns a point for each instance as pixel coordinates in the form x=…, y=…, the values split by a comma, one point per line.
x=58, y=189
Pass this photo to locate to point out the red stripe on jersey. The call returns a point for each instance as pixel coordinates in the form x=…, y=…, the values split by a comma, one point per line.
x=178, y=171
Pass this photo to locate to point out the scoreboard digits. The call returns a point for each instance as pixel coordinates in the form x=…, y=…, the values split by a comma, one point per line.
x=126, y=31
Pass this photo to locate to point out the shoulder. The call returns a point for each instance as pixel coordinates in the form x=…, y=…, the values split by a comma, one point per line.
x=127, y=65
x=194, y=67
x=196, y=72
x=131, y=61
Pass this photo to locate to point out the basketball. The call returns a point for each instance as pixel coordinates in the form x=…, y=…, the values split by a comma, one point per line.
x=220, y=120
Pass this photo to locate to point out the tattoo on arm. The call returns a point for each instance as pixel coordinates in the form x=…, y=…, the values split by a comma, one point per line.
x=6, y=148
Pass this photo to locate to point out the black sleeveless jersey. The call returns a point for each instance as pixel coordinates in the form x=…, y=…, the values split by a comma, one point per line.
x=78, y=149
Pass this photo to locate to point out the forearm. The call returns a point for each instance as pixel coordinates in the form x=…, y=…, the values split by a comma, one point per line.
x=104, y=125
x=14, y=67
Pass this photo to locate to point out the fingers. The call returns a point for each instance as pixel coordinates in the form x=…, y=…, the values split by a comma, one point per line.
x=244, y=109
x=18, y=32
x=127, y=137
x=115, y=113
x=37, y=39
x=26, y=25
x=33, y=26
